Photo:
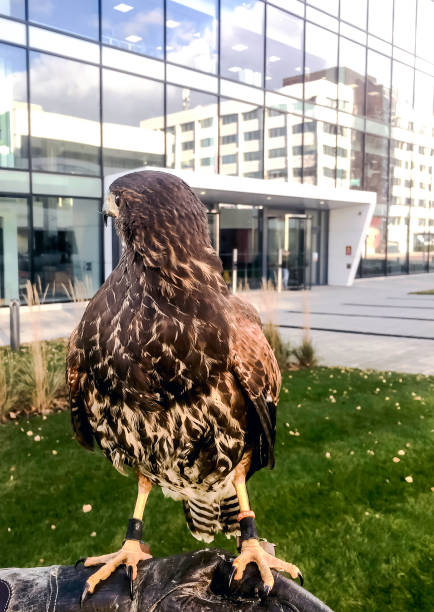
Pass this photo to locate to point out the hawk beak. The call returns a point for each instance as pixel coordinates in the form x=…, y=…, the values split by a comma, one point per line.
x=110, y=208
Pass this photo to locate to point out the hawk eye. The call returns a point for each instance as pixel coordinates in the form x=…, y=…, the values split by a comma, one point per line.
x=117, y=200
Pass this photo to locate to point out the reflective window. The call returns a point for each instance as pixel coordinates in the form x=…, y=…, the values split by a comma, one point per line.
x=404, y=24
x=349, y=159
x=321, y=66
x=239, y=229
x=376, y=157
x=133, y=128
x=373, y=259
x=14, y=128
x=283, y=147
x=425, y=20
x=66, y=250
x=138, y=27
x=401, y=167
x=423, y=94
x=419, y=240
x=330, y=6
x=189, y=128
x=78, y=17
x=284, y=62
x=191, y=33
x=241, y=139
x=64, y=110
x=14, y=248
x=352, y=77
x=397, y=238
x=381, y=18
x=355, y=12
x=402, y=94
x=242, y=41
x=13, y=8
x=378, y=86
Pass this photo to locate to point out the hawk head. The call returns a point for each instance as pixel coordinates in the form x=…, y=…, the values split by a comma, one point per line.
x=158, y=216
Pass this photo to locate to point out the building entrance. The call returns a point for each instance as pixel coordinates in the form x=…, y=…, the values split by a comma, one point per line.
x=290, y=249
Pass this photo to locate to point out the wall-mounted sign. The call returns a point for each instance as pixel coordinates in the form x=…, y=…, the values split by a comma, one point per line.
x=348, y=249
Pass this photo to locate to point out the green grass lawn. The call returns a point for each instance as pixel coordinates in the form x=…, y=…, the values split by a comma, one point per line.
x=336, y=503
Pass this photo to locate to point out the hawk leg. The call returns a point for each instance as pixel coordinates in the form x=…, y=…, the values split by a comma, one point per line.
x=251, y=549
x=132, y=551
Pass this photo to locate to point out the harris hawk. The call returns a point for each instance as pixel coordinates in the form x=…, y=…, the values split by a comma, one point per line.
x=171, y=375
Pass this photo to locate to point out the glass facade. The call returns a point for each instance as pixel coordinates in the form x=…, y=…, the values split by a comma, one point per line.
x=334, y=93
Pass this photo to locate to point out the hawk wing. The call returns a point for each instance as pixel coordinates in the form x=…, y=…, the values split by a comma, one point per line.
x=75, y=378
x=255, y=367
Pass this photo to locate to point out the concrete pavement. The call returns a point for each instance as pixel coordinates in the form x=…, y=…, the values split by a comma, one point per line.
x=374, y=324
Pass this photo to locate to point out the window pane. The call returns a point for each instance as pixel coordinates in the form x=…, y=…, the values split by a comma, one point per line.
x=425, y=20
x=373, y=259
x=349, y=155
x=283, y=147
x=402, y=94
x=404, y=24
x=401, y=164
x=14, y=248
x=355, y=12
x=419, y=239
x=133, y=128
x=191, y=31
x=191, y=137
x=378, y=86
x=423, y=95
x=138, y=28
x=330, y=6
x=14, y=127
x=376, y=156
x=284, y=52
x=380, y=18
x=242, y=41
x=66, y=248
x=239, y=229
x=321, y=66
x=64, y=115
x=13, y=8
x=352, y=77
x=397, y=236
x=240, y=139
x=78, y=17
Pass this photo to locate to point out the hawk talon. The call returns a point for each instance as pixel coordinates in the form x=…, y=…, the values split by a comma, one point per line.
x=300, y=577
x=85, y=594
x=81, y=560
x=129, y=572
x=231, y=577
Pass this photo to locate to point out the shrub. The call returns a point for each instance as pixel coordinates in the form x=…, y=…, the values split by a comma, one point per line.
x=281, y=349
x=305, y=353
x=8, y=387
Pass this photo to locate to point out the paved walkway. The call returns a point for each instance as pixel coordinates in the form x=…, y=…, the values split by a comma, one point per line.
x=374, y=324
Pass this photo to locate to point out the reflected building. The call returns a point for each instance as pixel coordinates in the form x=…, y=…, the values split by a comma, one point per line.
x=335, y=96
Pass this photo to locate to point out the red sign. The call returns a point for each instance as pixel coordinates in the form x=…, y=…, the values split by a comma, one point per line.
x=348, y=250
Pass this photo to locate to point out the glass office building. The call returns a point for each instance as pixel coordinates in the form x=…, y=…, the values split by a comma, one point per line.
x=332, y=93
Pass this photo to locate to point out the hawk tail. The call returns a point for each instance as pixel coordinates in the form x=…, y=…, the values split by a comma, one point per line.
x=205, y=517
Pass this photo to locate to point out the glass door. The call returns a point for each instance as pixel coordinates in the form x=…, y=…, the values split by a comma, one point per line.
x=14, y=248
x=296, y=256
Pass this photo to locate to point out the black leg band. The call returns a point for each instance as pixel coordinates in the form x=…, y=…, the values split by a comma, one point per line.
x=135, y=528
x=248, y=529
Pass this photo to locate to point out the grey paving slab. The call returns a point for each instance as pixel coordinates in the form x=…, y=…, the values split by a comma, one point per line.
x=377, y=323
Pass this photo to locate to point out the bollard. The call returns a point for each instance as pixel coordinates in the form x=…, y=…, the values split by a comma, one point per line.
x=234, y=270
x=14, y=318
